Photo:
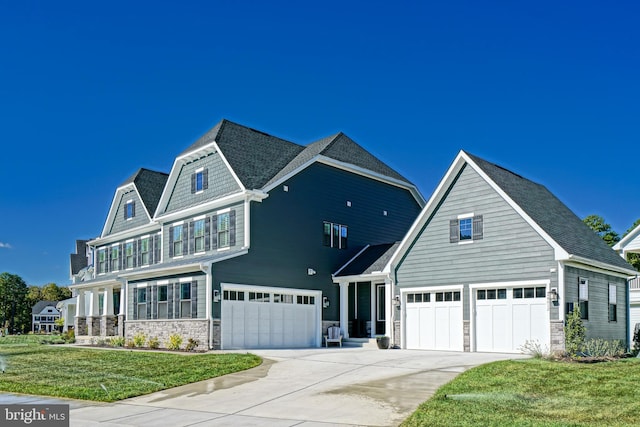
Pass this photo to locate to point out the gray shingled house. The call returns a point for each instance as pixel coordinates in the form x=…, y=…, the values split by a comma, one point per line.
x=495, y=260
x=236, y=247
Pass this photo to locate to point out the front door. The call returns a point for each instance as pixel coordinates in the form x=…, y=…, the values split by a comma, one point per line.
x=381, y=309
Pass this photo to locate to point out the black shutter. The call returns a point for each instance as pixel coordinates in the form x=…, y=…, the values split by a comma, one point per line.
x=205, y=178
x=454, y=232
x=170, y=301
x=121, y=261
x=207, y=233
x=185, y=240
x=171, y=242
x=149, y=299
x=477, y=227
x=214, y=232
x=194, y=300
x=134, y=315
x=108, y=257
x=192, y=240
x=135, y=253
x=193, y=183
x=176, y=300
x=124, y=211
x=154, y=301
x=138, y=246
x=133, y=209
x=232, y=228
x=156, y=248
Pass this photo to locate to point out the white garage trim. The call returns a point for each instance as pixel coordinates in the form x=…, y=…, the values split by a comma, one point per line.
x=427, y=289
x=508, y=285
x=317, y=338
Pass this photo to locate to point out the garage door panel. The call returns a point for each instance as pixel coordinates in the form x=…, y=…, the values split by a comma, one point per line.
x=433, y=325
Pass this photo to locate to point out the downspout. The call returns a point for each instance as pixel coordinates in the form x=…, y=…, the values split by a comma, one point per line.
x=207, y=268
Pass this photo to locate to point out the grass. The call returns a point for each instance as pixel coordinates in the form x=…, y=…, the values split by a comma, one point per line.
x=105, y=375
x=537, y=392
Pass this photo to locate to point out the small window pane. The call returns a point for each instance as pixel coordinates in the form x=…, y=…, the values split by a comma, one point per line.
x=448, y=296
x=502, y=294
x=482, y=294
x=410, y=298
x=517, y=292
x=426, y=297
x=418, y=297
x=491, y=294
x=456, y=296
x=529, y=292
x=162, y=293
x=541, y=292
x=185, y=291
x=439, y=296
x=466, y=229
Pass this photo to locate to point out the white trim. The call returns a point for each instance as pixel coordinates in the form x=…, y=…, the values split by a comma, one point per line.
x=139, y=285
x=598, y=267
x=177, y=223
x=223, y=211
x=511, y=284
x=162, y=282
x=244, y=196
x=199, y=217
x=185, y=279
x=466, y=216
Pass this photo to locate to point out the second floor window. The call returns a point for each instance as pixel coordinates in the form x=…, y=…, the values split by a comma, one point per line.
x=144, y=251
x=115, y=258
x=199, y=180
x=130, y=209
x=128, y=251
x=466, y=228
x=334, y=235
x=199, y=235
x=223, y=230
x=178, y=237
x=102, y=261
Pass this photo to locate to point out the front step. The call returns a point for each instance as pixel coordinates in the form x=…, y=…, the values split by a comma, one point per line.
x=360, y=342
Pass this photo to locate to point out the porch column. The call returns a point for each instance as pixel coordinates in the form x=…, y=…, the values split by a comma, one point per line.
x=374, y=315
x=389, y=306
x=93, y=319
x=123, y=310
x=80, y=304
x=80, y=320
x=344, y=309
x=107, y=306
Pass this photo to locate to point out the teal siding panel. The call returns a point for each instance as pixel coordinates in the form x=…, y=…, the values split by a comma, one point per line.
x=511, y=250
x=220, y=183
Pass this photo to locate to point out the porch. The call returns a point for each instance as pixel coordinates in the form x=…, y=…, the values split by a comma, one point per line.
x=100, y=311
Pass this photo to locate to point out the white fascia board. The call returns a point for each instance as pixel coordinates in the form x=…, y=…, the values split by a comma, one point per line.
x=621, y=245
x=370, y=277
x=123, y=235
x=560, y=253
x=243, y=196
x=353, y=169
x=599, y=267
x=95, y=284
x=178, y=269
x=149, y=216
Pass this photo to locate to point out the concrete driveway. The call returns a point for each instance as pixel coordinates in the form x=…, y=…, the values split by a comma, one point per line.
x=315, y=387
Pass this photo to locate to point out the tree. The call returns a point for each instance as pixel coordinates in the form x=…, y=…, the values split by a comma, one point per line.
x=633, y=258
x=602, y=229
x=15, y=312
x=52, y=292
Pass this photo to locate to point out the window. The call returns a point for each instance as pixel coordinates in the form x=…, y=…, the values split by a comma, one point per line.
x=448, y=296
x=185, y=300
x=162, y=302
x=283, y=298
x=177, y=235
x=466, y=228
x=142, y=303
x=144, y=251
x=199, y=180
x=115, y=258
x=128, y=253
x=306, y=299
x=334, y=235
x=381, y=300
x=224, y=230
x=102, y=261
x=259, y=297
x=613, y=303
x=129, y=209
x=198, y=235
x=233, y=295
x=583, y=298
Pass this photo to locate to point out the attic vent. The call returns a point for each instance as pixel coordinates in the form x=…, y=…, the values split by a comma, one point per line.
x=348, y=203
x=285, y=188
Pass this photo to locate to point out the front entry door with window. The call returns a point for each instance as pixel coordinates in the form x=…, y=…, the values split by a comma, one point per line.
x=381, y=309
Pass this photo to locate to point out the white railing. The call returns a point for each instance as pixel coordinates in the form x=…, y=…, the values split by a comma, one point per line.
x=634, y=284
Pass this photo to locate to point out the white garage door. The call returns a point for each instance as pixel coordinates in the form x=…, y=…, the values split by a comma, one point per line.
x=506, y=318
x=434, y=320
x=258, y=317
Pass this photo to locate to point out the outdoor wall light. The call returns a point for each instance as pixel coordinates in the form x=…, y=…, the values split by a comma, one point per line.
x=325, y=302
x=554, y=295
x=311, y=271
x=396, y=300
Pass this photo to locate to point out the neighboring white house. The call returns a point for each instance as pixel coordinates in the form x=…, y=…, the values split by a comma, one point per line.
x=43, y=316
x=67, y=309
x=627, y=245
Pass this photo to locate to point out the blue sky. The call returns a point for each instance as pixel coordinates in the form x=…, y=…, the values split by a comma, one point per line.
x=92, y=91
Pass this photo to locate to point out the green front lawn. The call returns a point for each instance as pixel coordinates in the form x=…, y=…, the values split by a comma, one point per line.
x=105, y=375
x=537, y=392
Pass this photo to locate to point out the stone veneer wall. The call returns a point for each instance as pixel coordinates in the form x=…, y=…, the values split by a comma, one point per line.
x=217, y=335
x=466, y=331
x=162, y=329
x=396, y=334
x=557, y=336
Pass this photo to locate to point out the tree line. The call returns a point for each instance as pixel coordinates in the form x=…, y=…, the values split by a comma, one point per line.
x=17, y=299
x=610, y=236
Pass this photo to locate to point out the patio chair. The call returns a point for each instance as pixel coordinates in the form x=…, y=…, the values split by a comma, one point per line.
x=333, y=335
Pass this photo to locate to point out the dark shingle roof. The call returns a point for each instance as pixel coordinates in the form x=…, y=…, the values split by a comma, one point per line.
x=78, y=262
x=372, y=259
x=254, y=156
x=150, y=185
x=342, y=148
x=40, y=305
x=553, y=216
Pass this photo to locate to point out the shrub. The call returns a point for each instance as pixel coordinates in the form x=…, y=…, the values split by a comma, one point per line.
x=175, y=341
x=603, y=348
x=574, y=331
x=130, y=343
x=191, y=344
x=636, y=340
x=535, y=349
x=116, y=341
x=139, y=339
x=153, y=342
x=69, y=336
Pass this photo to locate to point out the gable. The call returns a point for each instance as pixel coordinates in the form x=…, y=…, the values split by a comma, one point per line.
x=509, y=244
x=118, y=222
x=218, y=179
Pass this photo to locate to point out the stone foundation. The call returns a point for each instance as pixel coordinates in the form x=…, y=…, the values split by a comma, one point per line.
x=198, y=329
x=397, y=337
x=80, y=326
x=121, y=325
x=466, y=331
x=93, y=326
x=217, y=335
x=557, y=336
x=108, y=327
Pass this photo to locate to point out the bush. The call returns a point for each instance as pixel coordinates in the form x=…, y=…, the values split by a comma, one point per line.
x=175, y=341
x=116, y=341
x=139, y=339
x=130, y=343
x=574, y=332
x=69, y=336
x=603, y=348
x=191, y=344
x=535, y=349
x=153, y=342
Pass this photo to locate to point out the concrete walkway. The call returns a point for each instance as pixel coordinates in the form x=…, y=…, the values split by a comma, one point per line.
x=314, y=387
